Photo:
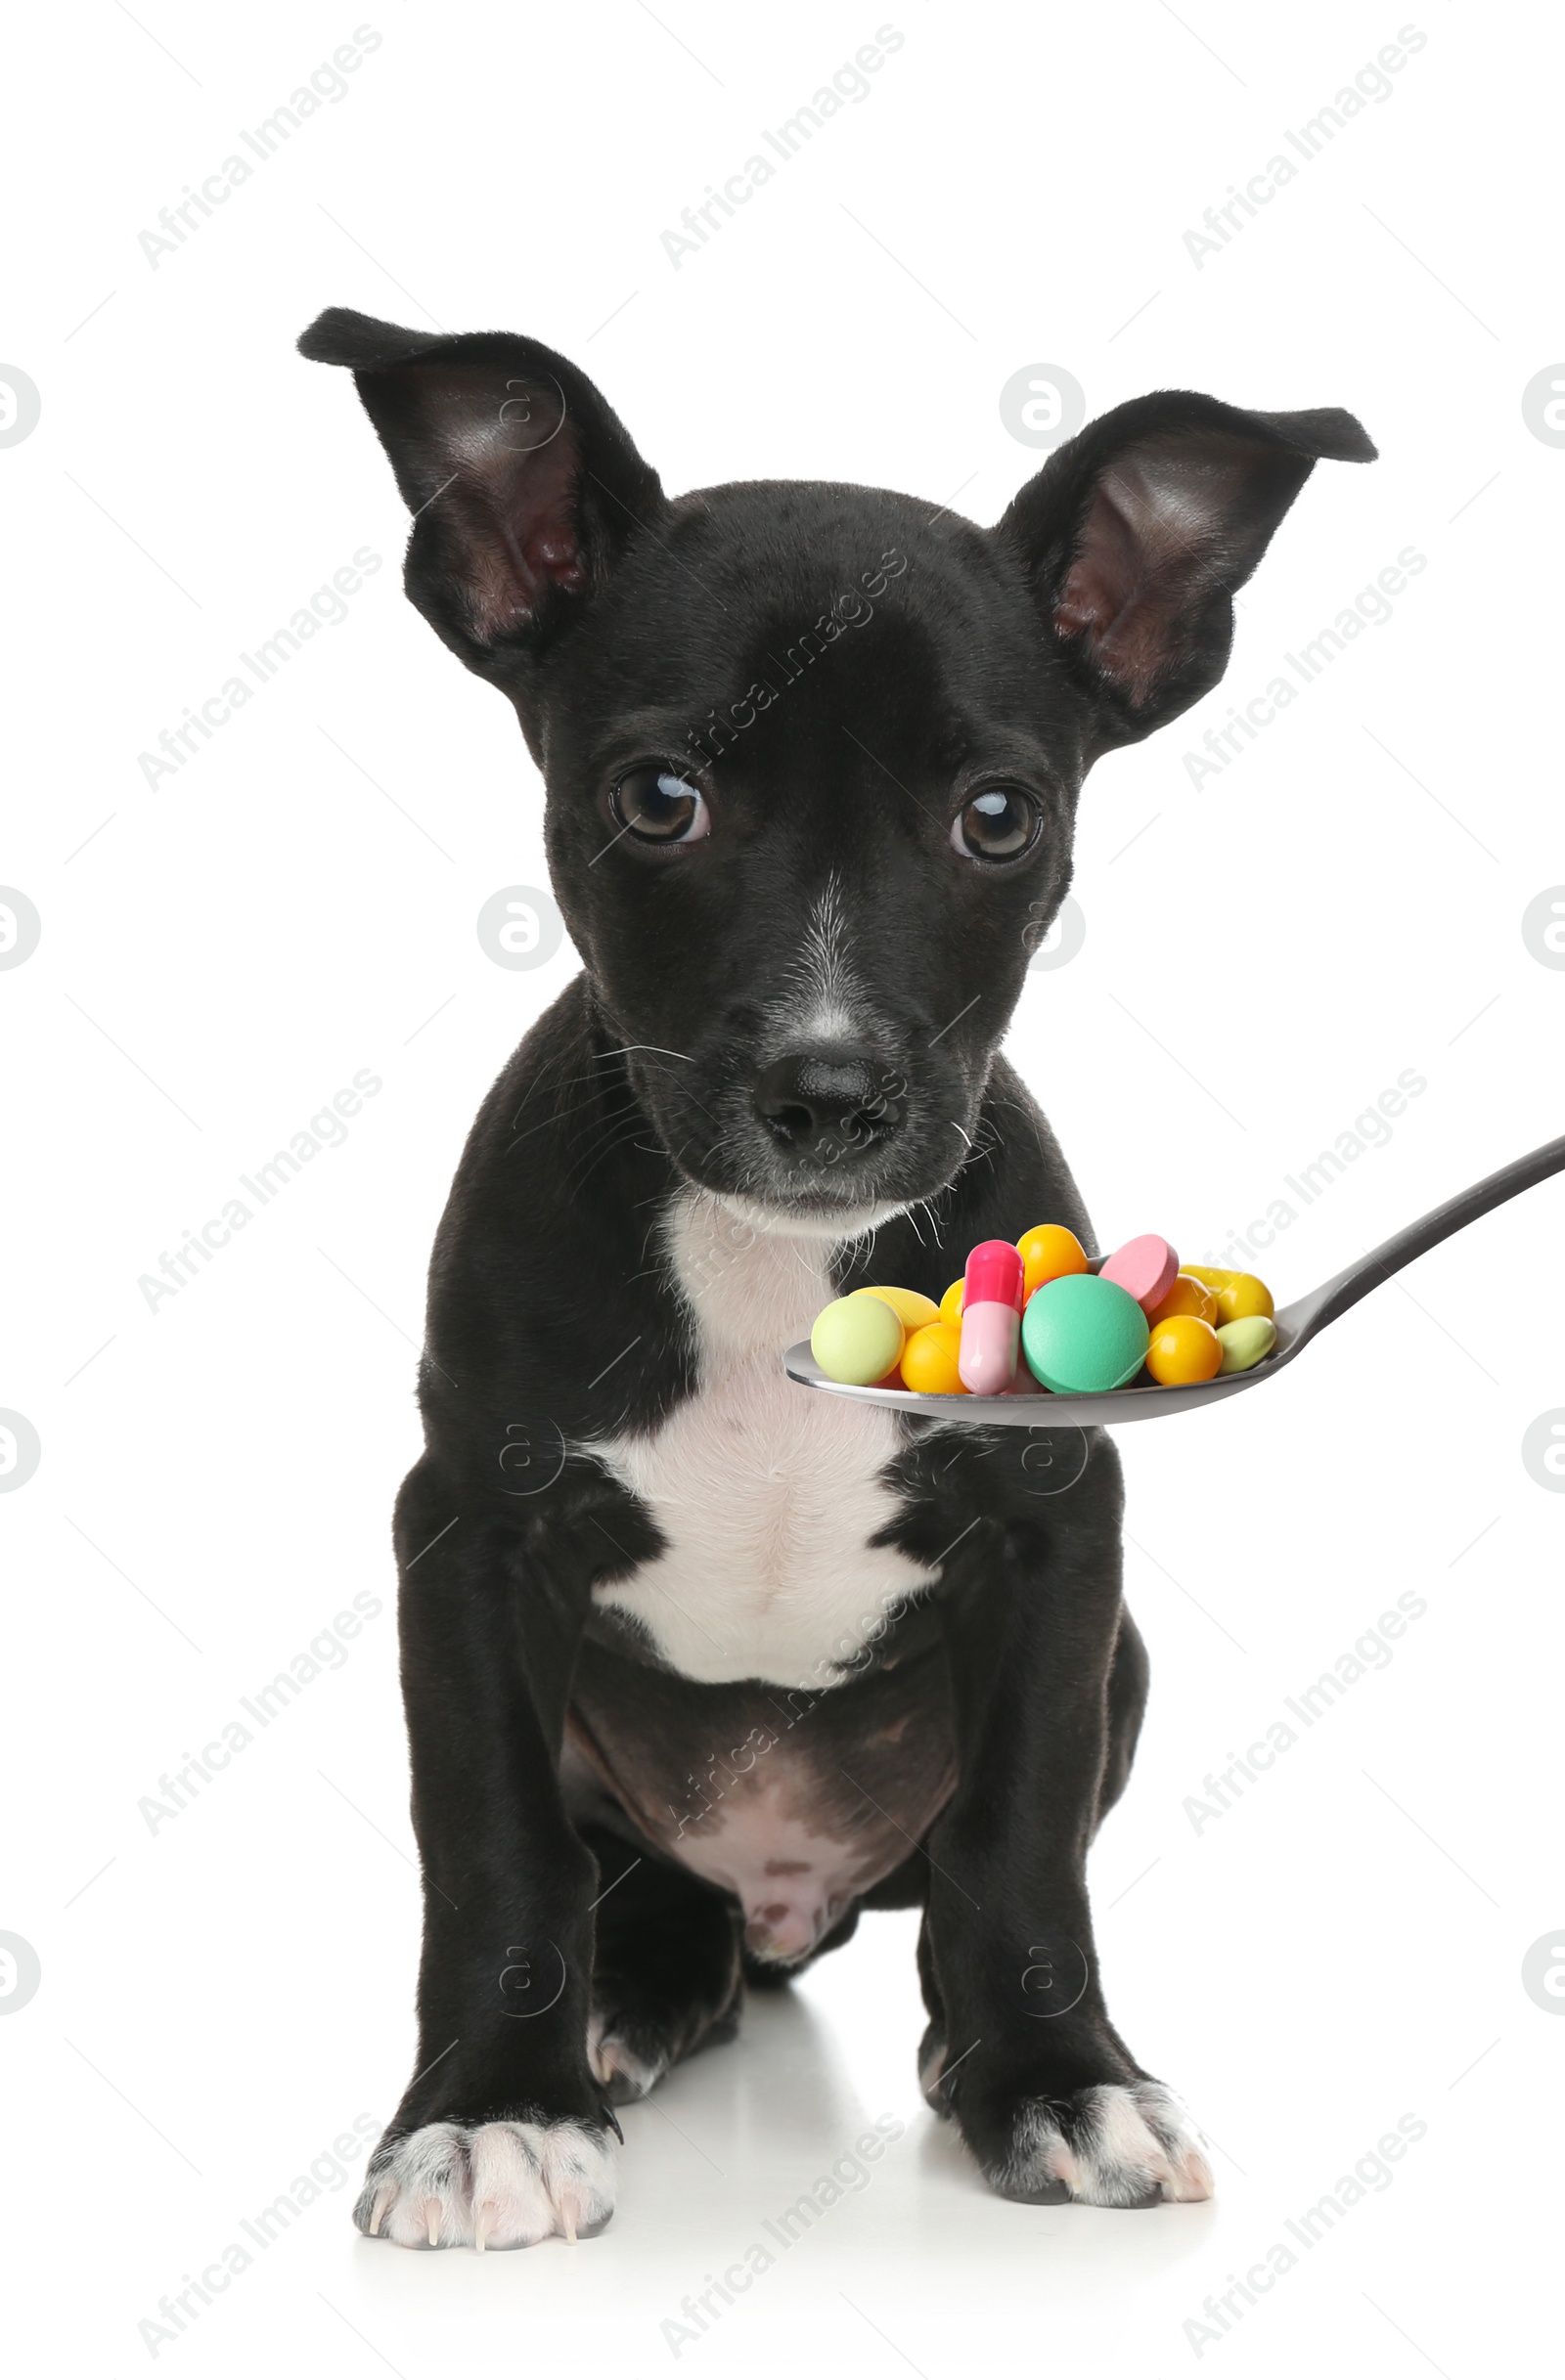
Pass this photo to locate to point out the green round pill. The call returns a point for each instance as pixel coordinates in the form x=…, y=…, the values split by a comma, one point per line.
x=1082, y=1334
x=1247, y=1342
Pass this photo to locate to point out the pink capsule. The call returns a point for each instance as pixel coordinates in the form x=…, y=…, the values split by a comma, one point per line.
x=991, y=1318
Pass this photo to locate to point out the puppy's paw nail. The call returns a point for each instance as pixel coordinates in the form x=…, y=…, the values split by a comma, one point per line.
x=432, y=2220
x=483, y=2224
x=382, y=2199
x=623, y=2072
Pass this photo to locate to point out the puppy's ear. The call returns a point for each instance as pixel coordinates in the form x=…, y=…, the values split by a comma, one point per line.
x=523, y=486
x=1137, y=533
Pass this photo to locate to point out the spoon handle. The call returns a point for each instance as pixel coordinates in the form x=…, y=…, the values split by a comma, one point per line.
x=1309, y=1314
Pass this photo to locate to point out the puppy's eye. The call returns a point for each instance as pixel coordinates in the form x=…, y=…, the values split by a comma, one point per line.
x=657, y=805
x=998, y=823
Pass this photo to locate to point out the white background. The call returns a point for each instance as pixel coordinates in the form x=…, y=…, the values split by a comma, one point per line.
x=221, y=953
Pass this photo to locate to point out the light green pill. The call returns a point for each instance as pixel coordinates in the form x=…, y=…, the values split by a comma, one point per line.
x=857, y=1340
x=1245, y=1344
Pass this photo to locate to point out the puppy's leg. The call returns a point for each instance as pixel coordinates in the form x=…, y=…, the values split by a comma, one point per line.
x=1020, y=2047
x=502, y=2137
x=666, y=1975
x=1128, y=1682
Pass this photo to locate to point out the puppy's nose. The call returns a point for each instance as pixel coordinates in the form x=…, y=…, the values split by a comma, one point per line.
x=829, y=1102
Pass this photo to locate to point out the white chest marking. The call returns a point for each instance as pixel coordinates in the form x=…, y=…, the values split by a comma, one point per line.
x=768, y=1496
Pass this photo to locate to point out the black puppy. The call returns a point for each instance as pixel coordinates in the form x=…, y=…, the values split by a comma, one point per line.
x=697, y=1665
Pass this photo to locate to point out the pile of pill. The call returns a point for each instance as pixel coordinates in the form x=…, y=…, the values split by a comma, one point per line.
x=1036, y=1316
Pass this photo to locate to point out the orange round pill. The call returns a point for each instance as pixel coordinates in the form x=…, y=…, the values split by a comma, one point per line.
x=929, y=1360
x=1047, y=1251
x=951, y=1303
x=1183, y=1350
x=1186, y=1296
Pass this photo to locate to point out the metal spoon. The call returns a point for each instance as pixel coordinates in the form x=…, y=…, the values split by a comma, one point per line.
x=1297, y=1324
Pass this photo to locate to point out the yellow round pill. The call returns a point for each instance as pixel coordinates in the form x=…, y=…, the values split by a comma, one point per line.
x=1183, y=1350
x=1047, y=1251
x=913, y=1309
x=951, y=1303
x=857, y=1340
x=929, y=1360
x=1238, y=1295
x=1188, y=1295
x=1241, y=1296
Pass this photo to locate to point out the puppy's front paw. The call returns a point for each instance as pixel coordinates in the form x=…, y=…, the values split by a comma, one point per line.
x=1113, y=2145
x=488, y=2185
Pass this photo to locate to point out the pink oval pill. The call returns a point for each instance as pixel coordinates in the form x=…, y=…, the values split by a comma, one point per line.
x=1146, y=1267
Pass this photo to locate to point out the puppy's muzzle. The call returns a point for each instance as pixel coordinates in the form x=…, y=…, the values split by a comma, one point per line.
x=830, y=1103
